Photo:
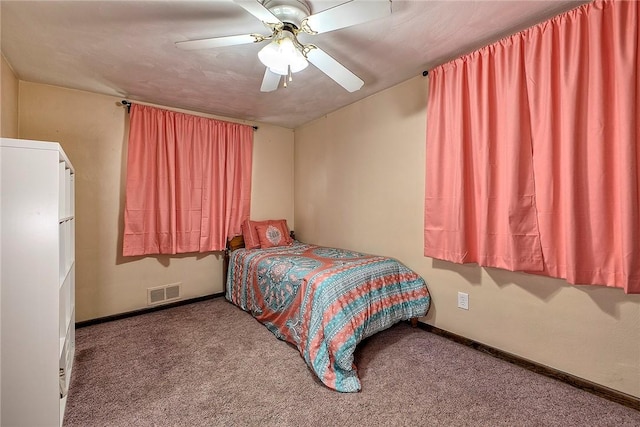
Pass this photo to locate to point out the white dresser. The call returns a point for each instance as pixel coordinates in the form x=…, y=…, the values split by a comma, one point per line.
x=37, y=272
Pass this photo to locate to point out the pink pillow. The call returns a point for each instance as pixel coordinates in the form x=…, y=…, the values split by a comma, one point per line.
x=273, y=234
x=250, y=232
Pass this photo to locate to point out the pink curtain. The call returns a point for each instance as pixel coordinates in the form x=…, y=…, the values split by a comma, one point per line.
x=188, y=182
x=479, y=203
x=563, y=97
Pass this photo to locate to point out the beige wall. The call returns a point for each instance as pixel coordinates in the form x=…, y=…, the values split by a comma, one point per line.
x=92, y=129
x=359, y=184
x=9, y=96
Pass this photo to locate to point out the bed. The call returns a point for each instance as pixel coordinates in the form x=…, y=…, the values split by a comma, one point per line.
x=323, y=300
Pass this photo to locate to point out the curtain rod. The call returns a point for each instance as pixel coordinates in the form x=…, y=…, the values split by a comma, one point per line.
x=128, y=105
x=425, y=73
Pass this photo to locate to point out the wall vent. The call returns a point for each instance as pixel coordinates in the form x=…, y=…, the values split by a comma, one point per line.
x=162, y=294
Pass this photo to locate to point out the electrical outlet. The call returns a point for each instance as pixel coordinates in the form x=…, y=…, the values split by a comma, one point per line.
x=463, y=300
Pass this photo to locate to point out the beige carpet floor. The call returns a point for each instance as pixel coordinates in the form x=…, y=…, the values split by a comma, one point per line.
x=211, y=364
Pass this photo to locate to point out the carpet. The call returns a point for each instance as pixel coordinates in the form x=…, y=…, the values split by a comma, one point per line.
x=211, y=364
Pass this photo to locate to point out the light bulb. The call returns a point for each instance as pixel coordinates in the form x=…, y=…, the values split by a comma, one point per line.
x=269, y=55
x=282, y=54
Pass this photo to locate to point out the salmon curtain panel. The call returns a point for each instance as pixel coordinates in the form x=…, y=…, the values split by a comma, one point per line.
x=188, y=182
x=533, y=152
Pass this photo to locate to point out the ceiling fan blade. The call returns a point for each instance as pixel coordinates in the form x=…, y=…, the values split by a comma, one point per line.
x=270, y=81
x=218, y=42
x=334, y=69
x=345, y=15
x=259, y=11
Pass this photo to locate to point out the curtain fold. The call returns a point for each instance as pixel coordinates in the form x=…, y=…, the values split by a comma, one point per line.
x=188, y=182
x=533, y=142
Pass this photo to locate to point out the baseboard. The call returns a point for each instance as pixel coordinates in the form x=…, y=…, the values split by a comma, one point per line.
x=145, y=310
x=591, y=387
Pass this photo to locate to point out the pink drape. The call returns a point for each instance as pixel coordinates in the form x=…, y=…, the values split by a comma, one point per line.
x=188, y=182
x=551, y=114
x=480, y=190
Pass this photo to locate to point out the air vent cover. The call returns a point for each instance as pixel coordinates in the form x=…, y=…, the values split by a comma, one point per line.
x=164, y=293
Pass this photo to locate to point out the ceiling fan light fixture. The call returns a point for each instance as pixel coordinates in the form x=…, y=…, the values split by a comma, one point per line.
x=298, y=65
x=282, y=54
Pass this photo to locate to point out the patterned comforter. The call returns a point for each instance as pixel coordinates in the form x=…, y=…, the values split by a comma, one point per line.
x=325, y=301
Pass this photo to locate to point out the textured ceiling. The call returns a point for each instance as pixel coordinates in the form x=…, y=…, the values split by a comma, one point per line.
x=126, y=49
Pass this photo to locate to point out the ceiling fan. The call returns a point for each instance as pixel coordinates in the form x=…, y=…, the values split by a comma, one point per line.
x=285, y=55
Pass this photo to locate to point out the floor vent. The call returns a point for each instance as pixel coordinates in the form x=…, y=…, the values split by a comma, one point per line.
x=162, y=294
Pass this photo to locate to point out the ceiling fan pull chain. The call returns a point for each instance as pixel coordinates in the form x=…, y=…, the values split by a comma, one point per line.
x=290, y=75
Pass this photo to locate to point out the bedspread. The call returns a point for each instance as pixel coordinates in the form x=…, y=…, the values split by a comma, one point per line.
x=325, y=301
